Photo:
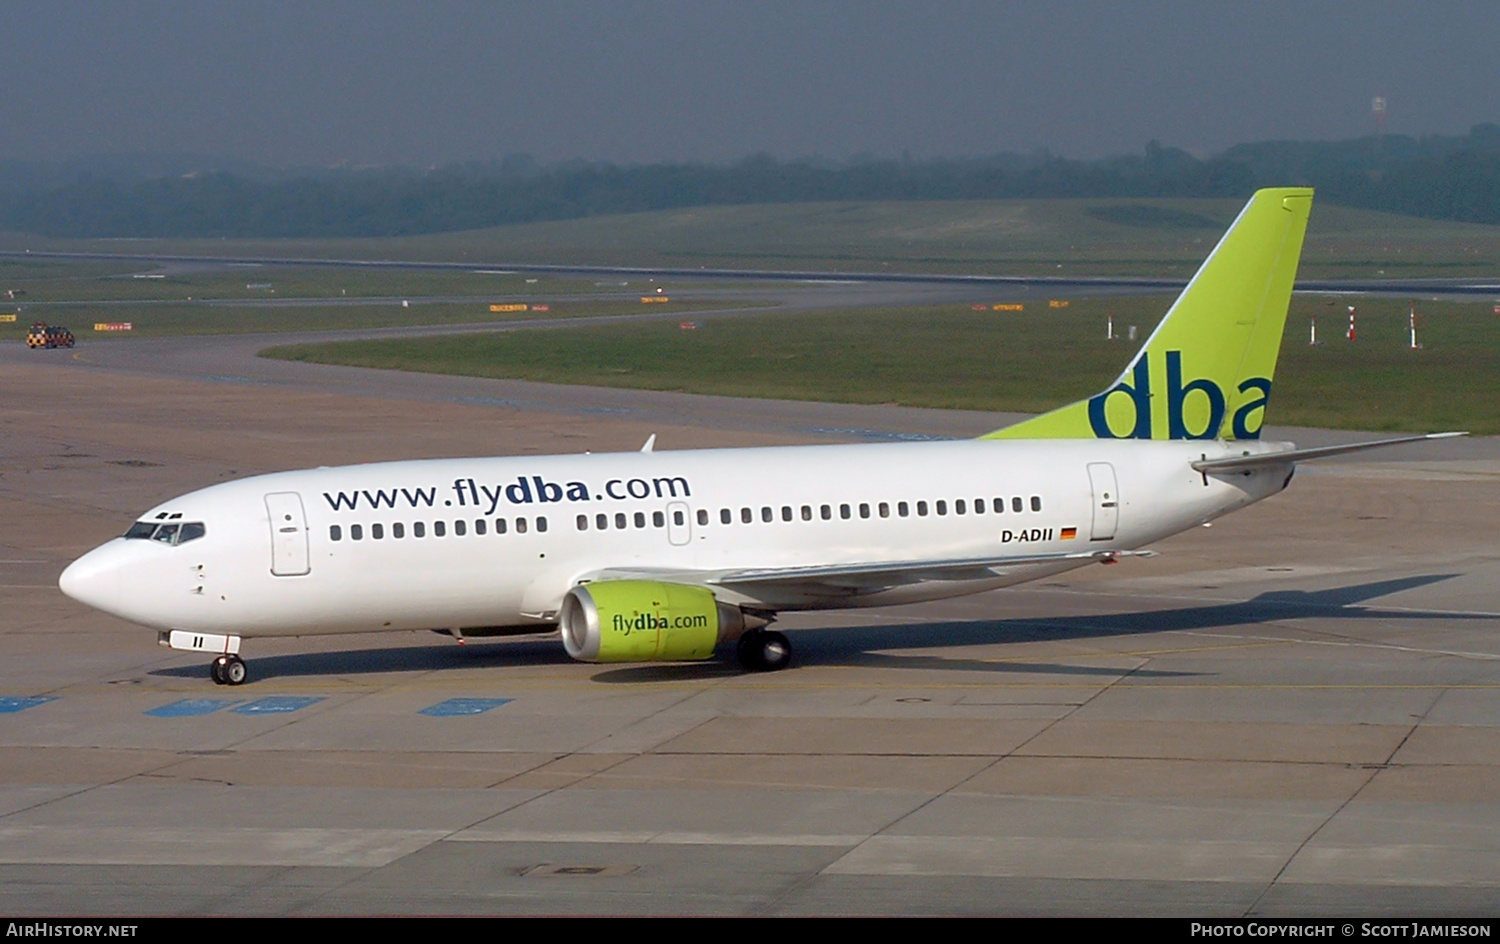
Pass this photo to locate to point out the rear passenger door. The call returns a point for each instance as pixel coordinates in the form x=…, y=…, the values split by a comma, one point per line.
x=1106, y=501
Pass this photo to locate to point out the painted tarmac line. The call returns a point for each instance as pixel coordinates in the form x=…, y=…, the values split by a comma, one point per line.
x=210, y=844
x=276, y=704
x=11, y=705
x=190, y=707
x=655, y=838
x=459, y=707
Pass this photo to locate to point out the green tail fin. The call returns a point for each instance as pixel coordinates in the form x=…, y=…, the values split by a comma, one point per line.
x=1205, y=372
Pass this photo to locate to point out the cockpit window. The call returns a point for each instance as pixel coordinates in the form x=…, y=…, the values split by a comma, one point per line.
x=173, y=533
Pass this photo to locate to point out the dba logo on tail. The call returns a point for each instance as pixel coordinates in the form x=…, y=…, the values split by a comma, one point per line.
x=1128, y=416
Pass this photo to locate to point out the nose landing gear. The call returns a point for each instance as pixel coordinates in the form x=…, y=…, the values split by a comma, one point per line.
x=228, y=670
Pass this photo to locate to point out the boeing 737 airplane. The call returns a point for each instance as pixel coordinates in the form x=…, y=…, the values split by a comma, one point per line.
x=665, y=556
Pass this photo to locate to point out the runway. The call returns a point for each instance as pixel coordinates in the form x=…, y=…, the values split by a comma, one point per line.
x=1292, y=713
x=1116, y=285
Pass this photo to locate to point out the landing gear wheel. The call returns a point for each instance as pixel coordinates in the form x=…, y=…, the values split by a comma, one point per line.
x=234, y=670
x=216, y=670
x=762, y=650
x=745, y=649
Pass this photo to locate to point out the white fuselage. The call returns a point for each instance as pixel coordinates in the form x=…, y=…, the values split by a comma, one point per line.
x=497, y=542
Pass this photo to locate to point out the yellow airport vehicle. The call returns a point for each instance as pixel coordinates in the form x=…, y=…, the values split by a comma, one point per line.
x=45, y=335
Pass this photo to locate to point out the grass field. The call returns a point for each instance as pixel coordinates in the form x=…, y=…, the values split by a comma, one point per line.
x=954, y=357
x=1001, y=237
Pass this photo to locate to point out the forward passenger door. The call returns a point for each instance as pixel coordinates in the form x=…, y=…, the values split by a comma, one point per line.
x=289, y=557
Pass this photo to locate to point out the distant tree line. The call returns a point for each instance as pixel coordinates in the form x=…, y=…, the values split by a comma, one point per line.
x=1454, y=178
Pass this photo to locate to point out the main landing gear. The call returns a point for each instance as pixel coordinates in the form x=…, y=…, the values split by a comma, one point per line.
x=228, y=670
x=763, y=650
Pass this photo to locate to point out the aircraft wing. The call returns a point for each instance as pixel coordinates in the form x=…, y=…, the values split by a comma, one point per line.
x=854, y=579
x=1266, y=459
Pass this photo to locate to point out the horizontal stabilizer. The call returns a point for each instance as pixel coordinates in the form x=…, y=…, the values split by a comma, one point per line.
x=1285, y=456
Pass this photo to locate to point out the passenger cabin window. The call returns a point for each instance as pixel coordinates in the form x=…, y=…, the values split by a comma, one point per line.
x=459, y=527
x=864, y=509
x=398, y=530
x=478, y=525
x=439, y=529
x=640, y=519
x=499, y=525
x=356, y=533
x=825, y=512
x=766, y=514
x=745, y=515
x=583, y=522
x=786, y=512
x=999, y=506
x=903, y=509
x=703, y=516
x=678, y=519
x=885, y=509
x=725, y=516
x=335, y=533
x=1015, y=504
x=921, y=509
x=1036, y=503
x=658, y=520
x=541, y=524
x=959, y=506
x=377, y=531
x=806, y=512
x=520, y=525
x=844, y=512
x=418, y=529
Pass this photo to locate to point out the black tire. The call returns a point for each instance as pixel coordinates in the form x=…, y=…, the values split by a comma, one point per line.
x=235, y=671
x=747, y=650
x=762, y=650
x=216, y=670
x=775, y=651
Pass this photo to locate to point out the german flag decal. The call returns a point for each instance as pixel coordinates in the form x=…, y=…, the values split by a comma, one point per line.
x=1068, y=534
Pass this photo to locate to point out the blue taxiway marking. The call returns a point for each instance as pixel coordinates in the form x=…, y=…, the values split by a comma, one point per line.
x=191, y=706
x=462, y=706
x=275, y=704
x=9, y=705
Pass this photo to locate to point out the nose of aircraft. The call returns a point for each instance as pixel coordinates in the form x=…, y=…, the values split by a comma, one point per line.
x=97, y=578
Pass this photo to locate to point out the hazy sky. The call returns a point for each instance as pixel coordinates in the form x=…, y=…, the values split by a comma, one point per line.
x=435, y=82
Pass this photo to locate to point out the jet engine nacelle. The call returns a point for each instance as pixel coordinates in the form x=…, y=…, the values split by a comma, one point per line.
x=645, y=621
